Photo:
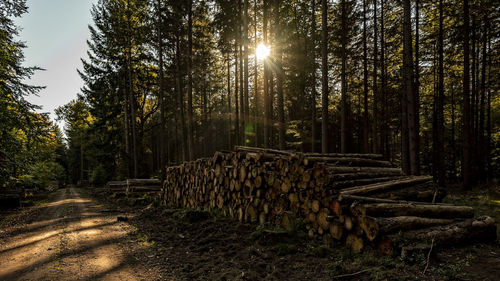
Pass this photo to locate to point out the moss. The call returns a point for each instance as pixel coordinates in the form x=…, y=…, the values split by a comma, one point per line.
x=283, y=249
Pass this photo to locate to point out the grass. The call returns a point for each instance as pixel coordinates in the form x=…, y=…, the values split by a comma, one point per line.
x=485, y=200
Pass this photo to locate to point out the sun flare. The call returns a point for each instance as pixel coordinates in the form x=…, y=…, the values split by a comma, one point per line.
x=262, y=51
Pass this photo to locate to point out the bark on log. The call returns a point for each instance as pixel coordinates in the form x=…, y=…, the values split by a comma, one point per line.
x=349, y=161
x=410, y=209
x=143, y=182
x=371, y=170
x=373, y=227
x=482, y=229
x=378, y=187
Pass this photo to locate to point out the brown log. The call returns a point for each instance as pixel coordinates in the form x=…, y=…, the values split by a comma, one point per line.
x=315, y=206
x=263, y=150
x=336, y=177
x=143, y=182
x=336, y=229
x=482, y=229
x=369, y=170
x=358, y=182
x=322, y=219
x=354, y=242
x=350, y=161
x=426, y=192
x=411, y=209
x=374, y=227
x=349, y=155
x=344, y=198
x=378, y=187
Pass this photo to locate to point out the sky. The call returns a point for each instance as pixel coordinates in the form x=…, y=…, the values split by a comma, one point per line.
x=55, y=32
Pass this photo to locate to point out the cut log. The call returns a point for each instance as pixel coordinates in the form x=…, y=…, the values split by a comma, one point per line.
x=344, y=198
x=336, y=230
x=370, y=170
x=482, y=229
x=350, y=161
x=374, y=227
x=357, y=175
x=410, y=209
x=426, y=192
x=354, y=242
x=263, y=150
x=378, y=187
x=143, y=182
x=356, y=155
x=357, y=182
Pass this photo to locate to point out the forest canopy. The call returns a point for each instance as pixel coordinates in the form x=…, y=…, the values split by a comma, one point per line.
x=31, y=146
x=168, y=81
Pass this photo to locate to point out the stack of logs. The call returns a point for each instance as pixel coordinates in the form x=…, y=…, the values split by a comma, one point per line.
x=356, y=198
x=135, y=186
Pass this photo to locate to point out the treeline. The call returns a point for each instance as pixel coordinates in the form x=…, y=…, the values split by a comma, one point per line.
x=168, y=81
x=32, y=152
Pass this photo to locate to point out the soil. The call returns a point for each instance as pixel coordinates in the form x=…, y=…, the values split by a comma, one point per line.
x=87, y=242
x=71, y=237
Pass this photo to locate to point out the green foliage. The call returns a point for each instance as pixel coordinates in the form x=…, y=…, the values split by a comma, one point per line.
x=41, y=174
x=99, y=176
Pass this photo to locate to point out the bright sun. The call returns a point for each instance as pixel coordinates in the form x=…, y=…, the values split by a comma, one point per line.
x=262, y=51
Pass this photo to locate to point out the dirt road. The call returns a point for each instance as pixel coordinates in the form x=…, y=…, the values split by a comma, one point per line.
x=73, y=238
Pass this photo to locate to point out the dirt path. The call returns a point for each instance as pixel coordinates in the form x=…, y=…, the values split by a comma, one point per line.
x=73, y=238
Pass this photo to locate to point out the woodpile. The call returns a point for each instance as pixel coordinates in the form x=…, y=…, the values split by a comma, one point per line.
x=359, y=199
x=135, y=186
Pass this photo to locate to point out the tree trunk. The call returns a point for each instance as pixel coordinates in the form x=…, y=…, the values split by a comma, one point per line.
x=482, y=143
x=410, y=209
x=256, y=124
x=266, y=81
x=161, y=92
x=408, y=157
x=375, y=123
x=279, y=77
x=439, y=146
x=241, y=137
x=190, y=123
x=343, y=108
x=313, y=78
x=131, y=94
x=324, y=77
x=384, y=143
x=417, y=79
x=366, y=123
x=488, y=118
x=180, y=98
x=229, y=121
x=236, y=89
x=467, y=137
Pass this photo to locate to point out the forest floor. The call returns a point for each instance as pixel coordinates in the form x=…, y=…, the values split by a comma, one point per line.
x=179, y=244
x=68, y=236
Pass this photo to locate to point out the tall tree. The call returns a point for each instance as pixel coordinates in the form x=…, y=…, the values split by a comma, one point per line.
x=313, y=76
x=467, y=130
x=438, y=147
x=343, y=109
x=324, y=77
x=266, y=79
x=245, y=62
x=190, y=130
x=279, y=77
x=366, y=129
x=161, y=87
x=407, y=89
x=375, y=124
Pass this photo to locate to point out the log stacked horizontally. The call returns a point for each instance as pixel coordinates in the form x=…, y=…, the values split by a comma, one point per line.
x=356, y=198
x=135, y=186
